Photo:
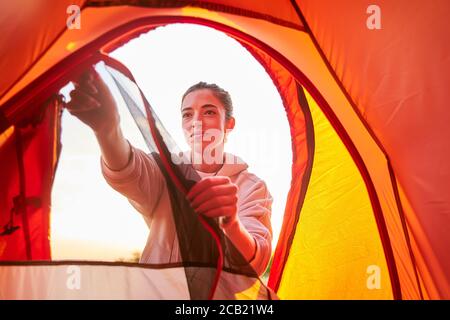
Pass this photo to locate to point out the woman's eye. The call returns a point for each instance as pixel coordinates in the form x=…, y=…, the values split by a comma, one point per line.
x=186, y=115
x=210, y=112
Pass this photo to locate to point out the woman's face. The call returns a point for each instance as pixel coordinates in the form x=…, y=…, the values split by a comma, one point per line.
x=203, y=120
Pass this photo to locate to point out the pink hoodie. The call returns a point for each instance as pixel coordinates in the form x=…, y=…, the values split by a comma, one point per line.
x=144, y=186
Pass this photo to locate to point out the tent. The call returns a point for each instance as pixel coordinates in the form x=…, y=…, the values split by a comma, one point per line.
x=364, y=89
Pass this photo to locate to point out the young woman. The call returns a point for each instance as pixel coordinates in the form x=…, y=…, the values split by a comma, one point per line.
x=226, y=190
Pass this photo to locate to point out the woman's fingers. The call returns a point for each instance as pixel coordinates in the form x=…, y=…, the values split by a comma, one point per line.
x=81, y=101
x=216, y=202
x=92, y=102
x=89, y=87
x=86, y=82
x=206, y=183
x=227, y=211
x=214, y=197
x=213, y=192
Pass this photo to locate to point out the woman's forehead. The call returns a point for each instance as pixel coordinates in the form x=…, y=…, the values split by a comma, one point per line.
x=199, y=98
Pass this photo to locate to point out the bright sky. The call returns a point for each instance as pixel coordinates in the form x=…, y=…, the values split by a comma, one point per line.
x=89, y=219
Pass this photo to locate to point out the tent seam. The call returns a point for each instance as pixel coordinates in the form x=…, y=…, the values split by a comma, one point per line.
x=199, y=4
x=369, y=130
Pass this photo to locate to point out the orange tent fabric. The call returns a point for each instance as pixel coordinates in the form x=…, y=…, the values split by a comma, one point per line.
x=376, y=196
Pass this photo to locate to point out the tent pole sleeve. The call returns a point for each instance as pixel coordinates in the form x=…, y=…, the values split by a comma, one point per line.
x=22, y=192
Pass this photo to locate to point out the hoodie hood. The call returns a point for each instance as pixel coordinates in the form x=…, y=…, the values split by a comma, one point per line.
x=232, y=166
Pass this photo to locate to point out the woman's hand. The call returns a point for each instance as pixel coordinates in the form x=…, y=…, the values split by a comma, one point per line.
x=92, y=103
x=215, y=197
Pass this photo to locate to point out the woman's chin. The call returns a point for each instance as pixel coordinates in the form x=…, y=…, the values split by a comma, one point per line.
x=204, y=149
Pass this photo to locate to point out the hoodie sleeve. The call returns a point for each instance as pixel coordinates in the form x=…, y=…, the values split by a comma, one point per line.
x=140, y=181
x=255, y=208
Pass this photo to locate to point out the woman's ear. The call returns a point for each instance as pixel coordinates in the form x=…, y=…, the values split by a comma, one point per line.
x=230, y=123
x=229, y=126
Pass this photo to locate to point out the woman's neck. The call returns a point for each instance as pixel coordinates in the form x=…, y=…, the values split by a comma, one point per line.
x=209, y=165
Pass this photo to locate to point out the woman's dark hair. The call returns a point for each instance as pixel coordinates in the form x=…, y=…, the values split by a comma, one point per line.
x=220, y=94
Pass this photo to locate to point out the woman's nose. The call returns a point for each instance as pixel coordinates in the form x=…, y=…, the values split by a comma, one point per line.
x=196, y=118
